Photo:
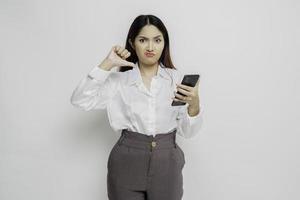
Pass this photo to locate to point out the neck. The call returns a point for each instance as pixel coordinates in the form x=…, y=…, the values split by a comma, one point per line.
x=148, y=70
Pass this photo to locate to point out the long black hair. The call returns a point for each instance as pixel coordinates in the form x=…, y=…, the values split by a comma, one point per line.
x=136, y=26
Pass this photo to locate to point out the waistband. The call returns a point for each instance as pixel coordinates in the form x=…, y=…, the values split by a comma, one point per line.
x=148, y=142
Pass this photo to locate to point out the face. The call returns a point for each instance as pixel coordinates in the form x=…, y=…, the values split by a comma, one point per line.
x=150, y=40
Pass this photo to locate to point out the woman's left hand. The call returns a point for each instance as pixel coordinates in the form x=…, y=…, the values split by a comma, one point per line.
x=192, y=96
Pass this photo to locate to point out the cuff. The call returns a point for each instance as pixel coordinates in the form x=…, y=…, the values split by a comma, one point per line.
x=99, y=74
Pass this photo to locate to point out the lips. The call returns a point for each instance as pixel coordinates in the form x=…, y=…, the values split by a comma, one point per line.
x=149, y=54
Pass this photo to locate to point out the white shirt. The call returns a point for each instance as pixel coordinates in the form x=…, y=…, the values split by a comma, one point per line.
x=130, y=105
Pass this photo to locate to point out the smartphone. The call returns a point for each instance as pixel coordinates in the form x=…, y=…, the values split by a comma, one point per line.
x=189, y=80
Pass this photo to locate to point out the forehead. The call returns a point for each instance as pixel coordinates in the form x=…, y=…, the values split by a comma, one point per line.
x=149, y=31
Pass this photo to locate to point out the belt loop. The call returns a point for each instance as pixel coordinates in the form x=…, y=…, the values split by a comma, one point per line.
x=122, y=137
x=174, y=138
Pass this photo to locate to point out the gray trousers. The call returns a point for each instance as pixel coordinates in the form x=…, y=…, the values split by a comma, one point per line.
x=142, y=167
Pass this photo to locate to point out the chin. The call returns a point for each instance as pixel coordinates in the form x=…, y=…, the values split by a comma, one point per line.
x=150, y=62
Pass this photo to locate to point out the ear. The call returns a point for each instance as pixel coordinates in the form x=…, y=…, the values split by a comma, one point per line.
x=131, y=44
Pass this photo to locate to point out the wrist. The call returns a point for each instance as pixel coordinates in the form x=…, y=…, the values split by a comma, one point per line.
x=193, y=110
x=106, y=65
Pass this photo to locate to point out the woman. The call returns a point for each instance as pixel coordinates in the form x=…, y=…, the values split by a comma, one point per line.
x=146, y=162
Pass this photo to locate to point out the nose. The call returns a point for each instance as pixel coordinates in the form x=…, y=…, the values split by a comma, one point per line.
x=150, y=46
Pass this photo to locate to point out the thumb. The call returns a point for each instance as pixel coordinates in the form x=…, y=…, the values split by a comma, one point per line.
x=129, y=63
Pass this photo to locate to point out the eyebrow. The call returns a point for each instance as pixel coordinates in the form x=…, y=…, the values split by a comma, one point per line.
x=147, y=38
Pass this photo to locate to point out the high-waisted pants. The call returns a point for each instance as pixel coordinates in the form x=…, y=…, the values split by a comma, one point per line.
x=143, y=167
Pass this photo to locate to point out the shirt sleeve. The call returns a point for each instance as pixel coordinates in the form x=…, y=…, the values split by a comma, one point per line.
x=96, y=89
x=188, y=126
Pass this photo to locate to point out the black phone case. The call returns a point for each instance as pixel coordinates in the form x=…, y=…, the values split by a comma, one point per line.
x=189, y=80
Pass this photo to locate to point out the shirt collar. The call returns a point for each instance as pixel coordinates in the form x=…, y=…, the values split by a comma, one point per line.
x=135, y=74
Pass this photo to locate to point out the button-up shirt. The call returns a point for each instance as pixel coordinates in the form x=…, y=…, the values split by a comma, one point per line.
x=130, y=105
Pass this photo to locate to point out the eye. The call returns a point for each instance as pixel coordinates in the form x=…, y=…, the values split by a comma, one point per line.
x=141, y=40
x=159, y=40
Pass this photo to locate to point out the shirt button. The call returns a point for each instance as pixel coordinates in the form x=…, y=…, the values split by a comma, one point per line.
x=153, y=144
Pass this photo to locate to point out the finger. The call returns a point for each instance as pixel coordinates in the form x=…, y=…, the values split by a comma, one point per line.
x=117, y=48
x=175, y=99
x=124, y=53
x=124, y=57
x=187, y=93
x=179, y=96
x=183, y=98
x=186, y=87
x=127, y=55
x=121, y=50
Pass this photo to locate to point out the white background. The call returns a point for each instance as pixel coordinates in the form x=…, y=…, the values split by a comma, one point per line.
x=246, y=52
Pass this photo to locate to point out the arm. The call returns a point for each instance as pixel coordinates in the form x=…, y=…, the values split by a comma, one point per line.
x=100, y=85
x=96, y=89
x=189, y=118
x=188, y=126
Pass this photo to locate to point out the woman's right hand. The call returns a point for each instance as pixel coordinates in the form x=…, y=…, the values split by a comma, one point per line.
x=116, y=58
